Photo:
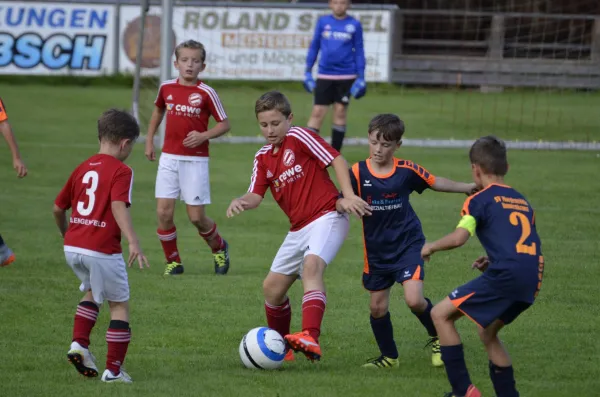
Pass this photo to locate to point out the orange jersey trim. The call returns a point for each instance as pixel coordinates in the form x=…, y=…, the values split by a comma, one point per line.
x=3, y=114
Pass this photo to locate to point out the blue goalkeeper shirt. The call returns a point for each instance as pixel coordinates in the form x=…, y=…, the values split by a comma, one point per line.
x=342, y=51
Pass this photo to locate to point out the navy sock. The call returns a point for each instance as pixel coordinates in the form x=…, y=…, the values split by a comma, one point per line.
x=503, y=379
x=337, y=136
x=425, y=319
x=456, y=368
x=384, y=335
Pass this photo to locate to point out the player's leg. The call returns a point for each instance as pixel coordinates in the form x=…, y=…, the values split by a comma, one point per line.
x=323, y=99
x=412, y=278
x=325, y=237
x=340, y=111
x=195, y=191
x=379, y=287
x=167, y=192
x=84, y=321
x=6, y=255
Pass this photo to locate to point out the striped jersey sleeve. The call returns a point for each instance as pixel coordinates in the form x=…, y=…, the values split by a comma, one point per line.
x=259, y=182
x=313, y=145
x=214, y=103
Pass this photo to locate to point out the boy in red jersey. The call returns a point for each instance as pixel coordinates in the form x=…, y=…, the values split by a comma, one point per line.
x=293, y=165
x=98, y=193
x=6, y=255
x=183, y=165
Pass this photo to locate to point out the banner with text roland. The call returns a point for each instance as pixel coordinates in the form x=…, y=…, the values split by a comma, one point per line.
x=249, y=43
x=56, y=38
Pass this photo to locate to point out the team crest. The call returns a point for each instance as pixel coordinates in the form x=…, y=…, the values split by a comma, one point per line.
x=288, y=158
x=350, y=28
x=195, y=99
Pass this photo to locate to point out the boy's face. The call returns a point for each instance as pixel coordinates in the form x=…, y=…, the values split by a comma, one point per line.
x=189, y=63
x=339, y=7
x=381, y=151
x=274, y=125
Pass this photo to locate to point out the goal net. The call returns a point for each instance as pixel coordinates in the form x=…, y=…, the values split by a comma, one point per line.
x=522, y=69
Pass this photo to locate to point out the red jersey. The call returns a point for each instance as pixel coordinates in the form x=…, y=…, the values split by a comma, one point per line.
x=188, y=109
x=297, y=176
x=90, y=191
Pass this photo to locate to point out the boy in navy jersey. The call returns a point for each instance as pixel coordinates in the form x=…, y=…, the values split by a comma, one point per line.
x=393, y=237
x=339, y=38
x=512, y=270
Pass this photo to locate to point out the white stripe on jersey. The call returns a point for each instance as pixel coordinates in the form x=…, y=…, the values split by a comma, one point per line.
x=166, y=82
x=215, y=100
x=315, y=147
x=131, y=186
x=262, y=150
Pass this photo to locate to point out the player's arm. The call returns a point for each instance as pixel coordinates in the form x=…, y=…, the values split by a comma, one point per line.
x=11, y=141
x=248, y=201
x=219, y=129
x=217, y=111
x=344, y=205
x=311, y=58
x=351, y=203
x=157, y=116
x=60, y=217
x=450, y=186
x=61, y=205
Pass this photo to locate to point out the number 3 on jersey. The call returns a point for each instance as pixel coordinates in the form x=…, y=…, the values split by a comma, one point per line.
x=90, y=178
x=516, y=218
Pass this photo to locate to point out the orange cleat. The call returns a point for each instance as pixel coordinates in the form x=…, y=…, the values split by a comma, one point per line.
x=303, y=342
x=289, y=356
x=472, y=391
x=8, y=260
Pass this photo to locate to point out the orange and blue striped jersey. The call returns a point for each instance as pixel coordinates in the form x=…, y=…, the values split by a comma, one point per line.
x=504, y=222
x=392, y=235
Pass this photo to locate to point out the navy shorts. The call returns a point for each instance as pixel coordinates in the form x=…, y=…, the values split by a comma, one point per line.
x=378, y=282
x=480, y=301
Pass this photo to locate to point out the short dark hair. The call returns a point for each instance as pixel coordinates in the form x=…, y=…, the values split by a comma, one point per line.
x=389, y=126
x=115, y=125
x=489, y=152
x=273, y=100
x=193, y=45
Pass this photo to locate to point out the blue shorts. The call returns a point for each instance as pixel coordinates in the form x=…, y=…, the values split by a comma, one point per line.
x=379, y=282
x=480, y=301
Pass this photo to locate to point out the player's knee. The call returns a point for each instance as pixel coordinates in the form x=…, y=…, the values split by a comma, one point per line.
x=199, y=219
x=313, y=268
x=165, y=216
x=273, y=293
x=438, y=315
x=487, y=335
x=416, y=303
x=378, y=309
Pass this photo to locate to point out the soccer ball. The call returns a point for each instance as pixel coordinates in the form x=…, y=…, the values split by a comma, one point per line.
x=262, y=348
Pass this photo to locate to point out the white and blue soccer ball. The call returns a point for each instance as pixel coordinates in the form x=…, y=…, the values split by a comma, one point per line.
x=262, y=348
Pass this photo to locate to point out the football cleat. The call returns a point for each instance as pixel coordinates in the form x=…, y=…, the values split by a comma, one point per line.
x=122, y=377
x=6, y=256
x=289, y=356
x=382, y=362
x=173, y=268
x=303, y=342
x=436, y=352
x=472, y=391
x=221, y=259
x=83, y=361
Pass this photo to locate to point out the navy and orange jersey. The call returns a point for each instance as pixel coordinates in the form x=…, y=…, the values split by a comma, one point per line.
x=504, y=222
x=392, y=235
x=3, y=115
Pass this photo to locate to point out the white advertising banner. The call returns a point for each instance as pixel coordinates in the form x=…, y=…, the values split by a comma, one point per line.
x=56, y=38
x=249, y=43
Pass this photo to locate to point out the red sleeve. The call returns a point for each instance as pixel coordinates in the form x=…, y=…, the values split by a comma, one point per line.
x=217, y=111
x=122, y=185
x=3, y=115
x=259, y=182
x=63, y=200
x=159, y=102
x=313, y=145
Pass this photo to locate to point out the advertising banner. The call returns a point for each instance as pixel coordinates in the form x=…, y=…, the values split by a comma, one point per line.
x=56, y=38
x=249, y=43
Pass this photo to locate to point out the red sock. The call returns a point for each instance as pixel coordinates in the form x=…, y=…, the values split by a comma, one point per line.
x=117, y=338
x=168, y=239
x=313, y=308
x=85, y=319
x=213, y=239
x=279, y=317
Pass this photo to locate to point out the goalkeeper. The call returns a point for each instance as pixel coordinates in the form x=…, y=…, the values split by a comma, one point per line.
x=339, y=38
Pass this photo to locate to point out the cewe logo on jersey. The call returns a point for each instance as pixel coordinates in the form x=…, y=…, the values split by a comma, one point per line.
x=187, y=110
x=291, y=174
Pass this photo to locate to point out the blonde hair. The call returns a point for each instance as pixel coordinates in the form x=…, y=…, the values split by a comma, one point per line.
x=273, y=100
x=191, y=44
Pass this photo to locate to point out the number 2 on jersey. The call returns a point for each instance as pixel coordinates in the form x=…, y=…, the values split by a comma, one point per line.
x=91, y=178
x=522, y=248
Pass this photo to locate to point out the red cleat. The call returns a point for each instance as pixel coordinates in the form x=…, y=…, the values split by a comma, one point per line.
x=472, y=391
x=8, y=260
x=289, y=356
x=303, y=342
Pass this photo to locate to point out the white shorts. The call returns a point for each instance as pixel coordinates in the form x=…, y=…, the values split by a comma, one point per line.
x=322, y=237
x=184, y=179
x=105, y=276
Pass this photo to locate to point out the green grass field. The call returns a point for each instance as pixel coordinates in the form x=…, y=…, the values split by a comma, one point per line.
x=186, y=330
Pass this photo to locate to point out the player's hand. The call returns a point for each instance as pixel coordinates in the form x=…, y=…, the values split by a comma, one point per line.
x=427, y=251
x=236, y=207
x=359, y=88
x=135, y=252
x=20, y=167
x=481, y=263
x=355, y=205
x=473, y=189
x=309, y=82
x=149, y=151
x=194, y=139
